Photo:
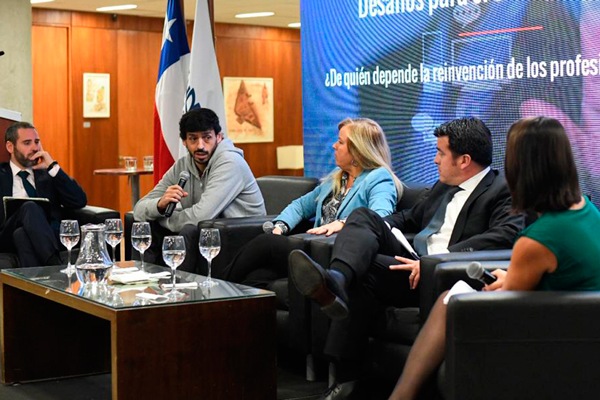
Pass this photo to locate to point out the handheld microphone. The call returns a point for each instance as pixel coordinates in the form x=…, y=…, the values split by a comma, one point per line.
x=268, y=227
x=476, y=271
x=183, y=178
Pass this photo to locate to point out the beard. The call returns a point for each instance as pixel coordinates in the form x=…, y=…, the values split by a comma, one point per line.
x=23, y=160
x=200, y=152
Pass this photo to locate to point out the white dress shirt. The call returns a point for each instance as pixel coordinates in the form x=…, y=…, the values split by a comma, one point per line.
x=438, y=242
x=18, y=188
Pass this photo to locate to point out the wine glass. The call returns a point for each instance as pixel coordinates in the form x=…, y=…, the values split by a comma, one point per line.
x=114, y=234
x=141, y=238
x=210, y=245
x=173, y=252
x=69, y=237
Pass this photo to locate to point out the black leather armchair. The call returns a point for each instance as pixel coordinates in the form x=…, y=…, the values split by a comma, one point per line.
x=523, y=345
x=277, y=191
x=85, y=215
x=395, y=329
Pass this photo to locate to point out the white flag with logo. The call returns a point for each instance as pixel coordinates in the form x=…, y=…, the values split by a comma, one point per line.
x=204, y=85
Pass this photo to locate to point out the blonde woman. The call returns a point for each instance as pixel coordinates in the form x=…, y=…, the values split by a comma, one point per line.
x=363, y=178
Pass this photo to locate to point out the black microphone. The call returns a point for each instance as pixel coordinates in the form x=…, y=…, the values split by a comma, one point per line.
x=1, y=53
x=183, y=178
x=268, y=227
x=476, y=271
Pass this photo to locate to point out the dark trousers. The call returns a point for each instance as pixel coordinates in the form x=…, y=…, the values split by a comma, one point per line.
x=28, y=233
x=365, y=235
x=190, y=235
x=367, y=246
x=262, y=260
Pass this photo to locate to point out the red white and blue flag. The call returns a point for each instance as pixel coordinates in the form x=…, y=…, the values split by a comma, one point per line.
x=170, y=90
x=184, y=82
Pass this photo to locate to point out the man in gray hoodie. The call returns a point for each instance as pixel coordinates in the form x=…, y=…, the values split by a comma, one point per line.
x=221, y=184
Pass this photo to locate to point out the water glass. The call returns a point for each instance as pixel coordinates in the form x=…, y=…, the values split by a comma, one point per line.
x=149, y=163
x=114, y=234
x=69, y=237
x=210, y=245
x=141, y=238
x=130, y=164
x=173, y=252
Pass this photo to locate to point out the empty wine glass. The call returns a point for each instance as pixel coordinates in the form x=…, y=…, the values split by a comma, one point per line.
x=141, y=238
x=173, y=251
x=114, y=234
x=69, y=237
x=210, y=245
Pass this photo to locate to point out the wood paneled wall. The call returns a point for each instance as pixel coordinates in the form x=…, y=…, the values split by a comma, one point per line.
x=51, y=88
x=251, y=51
x=67, y=44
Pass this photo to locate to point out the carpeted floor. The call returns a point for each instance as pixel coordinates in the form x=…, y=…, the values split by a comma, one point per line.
x=290, y=385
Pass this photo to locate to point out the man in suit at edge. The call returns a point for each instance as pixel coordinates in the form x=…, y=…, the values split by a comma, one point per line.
x=32, y=172
x=467, y=209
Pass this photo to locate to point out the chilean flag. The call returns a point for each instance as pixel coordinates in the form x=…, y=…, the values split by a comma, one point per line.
x=171, y=88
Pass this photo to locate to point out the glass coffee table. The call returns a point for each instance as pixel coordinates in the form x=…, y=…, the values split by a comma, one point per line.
x=217, y=343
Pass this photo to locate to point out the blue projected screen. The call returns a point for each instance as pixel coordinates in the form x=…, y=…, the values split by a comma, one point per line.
x=414, y=64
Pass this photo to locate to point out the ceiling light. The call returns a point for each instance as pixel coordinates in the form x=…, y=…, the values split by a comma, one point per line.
x=255, y=15
x=294, y=25
x=117, y=8
x=40, y=1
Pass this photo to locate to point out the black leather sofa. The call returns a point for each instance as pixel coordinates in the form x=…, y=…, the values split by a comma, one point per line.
x=85, y=215
x=523, y=345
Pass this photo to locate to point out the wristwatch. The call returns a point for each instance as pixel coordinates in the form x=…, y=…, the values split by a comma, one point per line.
x=52, y=164
x=283, y=226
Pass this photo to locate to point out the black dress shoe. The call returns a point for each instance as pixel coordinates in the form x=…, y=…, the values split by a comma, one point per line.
x=339, y=391
x=326, y=287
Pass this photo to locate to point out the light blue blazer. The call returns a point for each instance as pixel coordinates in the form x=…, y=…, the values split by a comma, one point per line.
x=374, y=189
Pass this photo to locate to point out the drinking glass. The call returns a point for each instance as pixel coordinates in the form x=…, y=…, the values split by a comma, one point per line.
x=149, y=163
x=141, y=238
x=69, y=237
x=173, y=252
x=114, y=234
x=210, y=245
x=130, y=164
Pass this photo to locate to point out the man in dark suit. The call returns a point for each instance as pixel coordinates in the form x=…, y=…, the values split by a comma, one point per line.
x=31, y=172
x=467, y=209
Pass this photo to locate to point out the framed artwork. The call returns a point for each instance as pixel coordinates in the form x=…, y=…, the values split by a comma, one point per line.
x=249, y=109
x=96, y=95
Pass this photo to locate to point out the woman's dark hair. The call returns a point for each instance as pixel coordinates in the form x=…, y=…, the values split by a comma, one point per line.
x=539, y=165
x=470, y=136
x=198, y=120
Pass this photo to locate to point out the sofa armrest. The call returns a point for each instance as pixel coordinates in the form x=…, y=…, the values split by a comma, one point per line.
x=235, y=233
x=523, y=345
x=90, y=214
x=440, y=271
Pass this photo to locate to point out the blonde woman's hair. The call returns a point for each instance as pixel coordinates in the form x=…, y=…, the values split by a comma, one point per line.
x=369, y=148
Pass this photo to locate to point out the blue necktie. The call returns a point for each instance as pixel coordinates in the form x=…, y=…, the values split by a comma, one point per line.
x=31, y=192
x=434, y=226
